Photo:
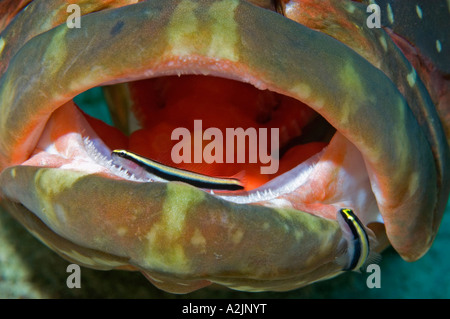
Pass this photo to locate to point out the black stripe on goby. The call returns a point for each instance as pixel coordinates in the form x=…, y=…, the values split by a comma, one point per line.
x=175, y=174
x=360, y=239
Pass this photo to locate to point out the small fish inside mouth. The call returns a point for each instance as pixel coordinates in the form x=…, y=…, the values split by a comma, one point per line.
x=156, y=108
x=141, y=166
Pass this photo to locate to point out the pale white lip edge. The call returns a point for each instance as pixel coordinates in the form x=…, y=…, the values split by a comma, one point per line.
x=277, y=187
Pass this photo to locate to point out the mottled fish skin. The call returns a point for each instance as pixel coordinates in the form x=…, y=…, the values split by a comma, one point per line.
x=180, y=237
x=346, y=23
x=422, y=35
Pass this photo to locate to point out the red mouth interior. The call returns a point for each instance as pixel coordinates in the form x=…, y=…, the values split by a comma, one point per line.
x=164, y=104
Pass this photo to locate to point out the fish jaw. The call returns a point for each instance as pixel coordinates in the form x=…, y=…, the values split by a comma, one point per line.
x=198, y=228
x=169, y=228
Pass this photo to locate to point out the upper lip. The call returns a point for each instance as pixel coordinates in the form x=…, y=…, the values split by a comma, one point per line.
x=311, y=67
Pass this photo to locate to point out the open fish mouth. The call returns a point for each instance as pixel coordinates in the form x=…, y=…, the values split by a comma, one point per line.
x=348, y=138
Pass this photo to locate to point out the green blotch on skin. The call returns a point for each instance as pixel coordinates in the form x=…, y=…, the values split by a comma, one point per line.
x=56, y=54
x=49, y=184
x=351, y=81
x=180, y=199
x=2, y=45
x=183, y=28
x=225, y=36
x=169, y=230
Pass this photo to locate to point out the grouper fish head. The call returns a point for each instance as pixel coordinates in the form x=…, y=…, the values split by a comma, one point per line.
x=362, y=114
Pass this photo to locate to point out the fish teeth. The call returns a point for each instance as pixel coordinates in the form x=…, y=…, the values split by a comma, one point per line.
x=106, y=161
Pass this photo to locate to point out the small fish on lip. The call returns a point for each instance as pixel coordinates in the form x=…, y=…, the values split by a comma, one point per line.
x=374, y=102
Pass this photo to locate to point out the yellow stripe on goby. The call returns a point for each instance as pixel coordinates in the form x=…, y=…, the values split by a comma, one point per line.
x=174, y=174
x=358, y=246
